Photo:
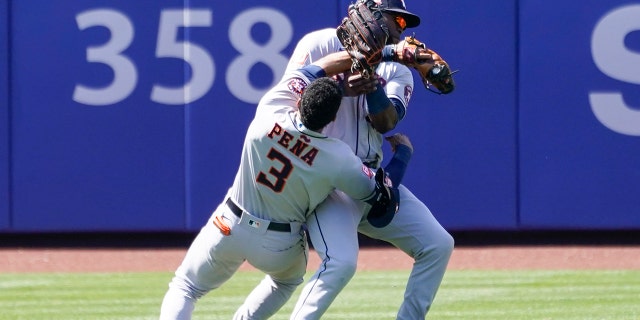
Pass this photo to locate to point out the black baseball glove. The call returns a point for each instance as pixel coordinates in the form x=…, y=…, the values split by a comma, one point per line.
x=386, y=204
x=363, y=34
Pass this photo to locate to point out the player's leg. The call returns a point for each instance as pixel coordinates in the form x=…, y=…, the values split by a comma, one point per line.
x=416, y=232
x=198, y=273
x=285, y=263
x=332, y=230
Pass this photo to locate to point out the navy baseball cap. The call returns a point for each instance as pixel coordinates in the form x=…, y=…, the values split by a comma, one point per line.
x=398, y=6
x=382, y=219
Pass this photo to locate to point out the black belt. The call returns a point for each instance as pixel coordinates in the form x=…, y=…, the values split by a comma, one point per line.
x=273, y=226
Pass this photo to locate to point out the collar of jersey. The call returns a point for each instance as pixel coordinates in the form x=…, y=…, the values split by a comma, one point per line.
x=295, y=118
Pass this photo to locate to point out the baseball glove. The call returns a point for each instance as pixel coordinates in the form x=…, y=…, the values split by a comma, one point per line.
x=363, y=34
x=434, y=71
x=386, y=204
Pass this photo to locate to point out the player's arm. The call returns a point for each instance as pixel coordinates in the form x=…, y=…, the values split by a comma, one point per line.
x=386, y=201
x=361, y=184
x=282, y=96
x=383, y=112
x=355, y=179
x=388, y=106
x=402, y=152
x=328, y=65
x=386, y=109
x=375, y=188
x=313, y=46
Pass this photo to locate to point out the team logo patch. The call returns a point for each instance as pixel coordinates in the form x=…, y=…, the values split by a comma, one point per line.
x=407, y=93
x=367, y=171
x=296, y=85
x=255, y=224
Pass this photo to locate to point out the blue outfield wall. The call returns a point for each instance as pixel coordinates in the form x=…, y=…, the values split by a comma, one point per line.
x=91, y=150
x=125, y=115
x=5, y=223
x=464, y=166
x=579, y=121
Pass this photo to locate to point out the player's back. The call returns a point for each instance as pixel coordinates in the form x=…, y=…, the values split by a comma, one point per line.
x=286, y=170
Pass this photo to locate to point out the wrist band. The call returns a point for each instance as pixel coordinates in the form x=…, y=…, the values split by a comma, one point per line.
x=377, y=101
x=388, y=52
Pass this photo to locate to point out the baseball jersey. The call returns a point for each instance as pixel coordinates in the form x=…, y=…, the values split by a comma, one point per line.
x=351, y=125
x=286, y=170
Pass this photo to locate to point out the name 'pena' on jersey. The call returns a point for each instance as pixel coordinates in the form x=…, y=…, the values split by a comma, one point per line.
x=298, y=148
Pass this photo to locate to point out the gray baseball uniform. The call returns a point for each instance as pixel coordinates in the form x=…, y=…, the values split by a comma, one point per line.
x=285, y=171
x=413, y=229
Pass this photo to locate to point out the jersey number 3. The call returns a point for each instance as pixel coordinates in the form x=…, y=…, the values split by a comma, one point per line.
x=279, y=175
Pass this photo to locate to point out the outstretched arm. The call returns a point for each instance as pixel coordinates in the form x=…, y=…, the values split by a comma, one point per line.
x=330, y=65
x=335, y=63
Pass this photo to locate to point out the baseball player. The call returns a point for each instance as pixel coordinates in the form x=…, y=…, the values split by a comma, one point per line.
x=361, y=122
x=287, y=168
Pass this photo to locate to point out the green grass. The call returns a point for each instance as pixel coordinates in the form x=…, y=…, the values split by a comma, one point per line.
x=477, y=295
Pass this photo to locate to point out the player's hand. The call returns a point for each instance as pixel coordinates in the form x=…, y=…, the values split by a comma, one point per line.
x=412, y=53
x=434, y=71
x=427, y=56
x=356, y=84
x=398, y=139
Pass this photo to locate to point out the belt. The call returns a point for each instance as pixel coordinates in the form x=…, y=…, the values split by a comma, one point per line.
x=273, y=226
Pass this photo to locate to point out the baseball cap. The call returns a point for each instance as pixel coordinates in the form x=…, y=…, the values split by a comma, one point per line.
x=398, y=6
x=382, y=219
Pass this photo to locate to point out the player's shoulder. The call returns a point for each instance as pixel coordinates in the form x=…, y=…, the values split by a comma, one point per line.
x=285, y=94
x=322, y=33
x=322, y=36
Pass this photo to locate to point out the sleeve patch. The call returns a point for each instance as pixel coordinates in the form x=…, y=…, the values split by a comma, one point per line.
x=367, y=171
x=408, y=91
x=297, y=86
